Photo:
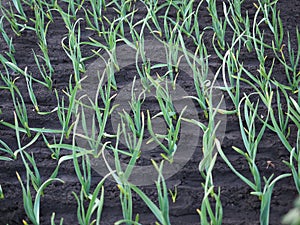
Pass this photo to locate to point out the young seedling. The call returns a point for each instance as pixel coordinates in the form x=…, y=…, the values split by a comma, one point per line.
x=145, y=71
x=29, y=79
x=294, y=111
x=294, y=162
x=266, y=96
x=234, y=71
x=184, y=18
x=206, y=213
x=186, y=15
x=126, y=203
x=15, y=19
x=169, y=114
x=207, y=216
x=237, y=9
x=210, y=132
x=152, y=9
x=73, y=7
x=84, y=173
x=132, y=138
x=251, y=141
x=274, y=23
x=41, y=29
x=162, y=212
x=19, y=105
x=133, y=128
x=110, y=46
x=199, y=66
x=55, y=150
x=291, y=63
x=96, y=13
x=239, y=25
x=218, y=25
x=32, y=206
x=174, y=194
x=94, y=130
x=73, y=50
x=250, y=138
x=283, y=112
x=122, y=176
x=248, y=41
x=31, y=93
x=9, y=42
x=94, y=209
x=19, y=8
x=34, y=174
x=18, y=130
x=53, y=219
x=196, y=28
x=172, y=56
x=264, y=76
x=123, y=10
x=44, y=72
x=266, y=196
x=6, y=149
x=65, y=113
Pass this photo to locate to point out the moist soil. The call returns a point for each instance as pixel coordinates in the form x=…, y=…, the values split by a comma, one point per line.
x=239, y=206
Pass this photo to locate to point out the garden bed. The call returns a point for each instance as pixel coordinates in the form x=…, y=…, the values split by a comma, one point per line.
x=238, y=204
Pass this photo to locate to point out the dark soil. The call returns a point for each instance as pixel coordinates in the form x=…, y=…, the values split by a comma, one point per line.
x=240, y=207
